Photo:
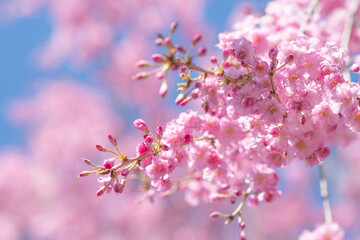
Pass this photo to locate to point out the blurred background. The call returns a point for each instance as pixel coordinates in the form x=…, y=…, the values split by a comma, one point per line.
x=65, y=72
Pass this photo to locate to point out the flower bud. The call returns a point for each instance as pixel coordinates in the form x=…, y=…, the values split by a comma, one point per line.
x=197, y=38
x=157, y=58
x=201, y=52
x=112, y=140
x=173, y=26
x=101, y=191
x=179, y=99
x=289, y=58
x=180, y=49
x=141, y=125
x=125, y=172
x=163, y=88
x=109, y=163
x=165, y=148
x=87, y=161
x=118, y=188
x=141, y=75
x=213, y=59
x=215, y=214
x=149, y=140
x=159, y=132
x=159, y=41
x=273, y=53
x=100, y=148
x=84, y=173
x=142, y=63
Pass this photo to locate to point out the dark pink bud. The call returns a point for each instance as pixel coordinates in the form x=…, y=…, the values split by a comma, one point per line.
x=242, y=225
x=159, y=131
x=273, y=53
x=180, y=49
x=213, y=59
x=149, y=140
x=157, y=58
x=173, y=26
x=165, y=148
x=125, y=172
x=100, y=148
x=214, y=214
x=227, y=65
x=289, y=58
x=159, y=41
x=141, y=125
x=112, y=139
x=201, y=52
x=355, y=67
x=141, y=75
x=187, y=139
x=85, y=173
x=118, y=188
x=197, y=38
x=179, y=99
x=109, y=163
x=142, y=63
x=233, y=200
x=87, y=161
x=142, y=149
x=100, y=191
x=186, y=101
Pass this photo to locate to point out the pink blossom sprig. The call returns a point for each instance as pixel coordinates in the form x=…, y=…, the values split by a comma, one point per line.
x=152, y=146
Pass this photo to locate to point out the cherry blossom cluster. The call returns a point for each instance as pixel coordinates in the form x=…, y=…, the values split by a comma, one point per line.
x=266, y=103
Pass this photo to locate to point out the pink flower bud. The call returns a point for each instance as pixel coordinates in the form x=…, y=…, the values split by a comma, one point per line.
x=227, y=65
x=149, y=140
x=355, y=67
x=168, y=41
x=109, y=163
x=273, y=53
x=242, y=225
x=87, y=161
x=157, y=58
x=179, y=99
x=159, y=132
x=159, y=41
x=142, y=63
x=142, y=149
x=100, y=191
x=100, y=148
x=213, y=59
x=141, y=125
x=215, y=214
x=163, y=89
x=165, y=148
x=85, y=173
x=201, y=52
x=197, y=38
x=173, y=26
x=118, y=188
x=141, y=75
x=180, y=49
x=159, y=75
x=125, y=172
x=186, y=101
x=289, y=58
x=233, y=200
x=112, y=140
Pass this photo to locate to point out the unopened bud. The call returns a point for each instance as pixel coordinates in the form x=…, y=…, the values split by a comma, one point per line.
x=173, y=26
x=142, y=63
x=159, y=41
x=109, y=163
x=159, y=132
x=125, y=172
x=87, y=161
x=141, y=75
x=165, y=148
x=101, y=191
x=112, y=140
x=160, y=75
x=289, y=58
x=186, y=101
x=201, y=52
x=355, y=67
x=85, y=173
x=157, y=58
x=180, y=49
x=197, y=38
x=273, y=53
x=163, y=88
x=118, y=188
x=215, y=214
x=179, y=99
x=101, y=148
x=213, y=59
x=141, y=125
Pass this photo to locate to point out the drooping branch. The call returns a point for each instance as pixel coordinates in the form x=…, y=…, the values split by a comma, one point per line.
x=324, y=193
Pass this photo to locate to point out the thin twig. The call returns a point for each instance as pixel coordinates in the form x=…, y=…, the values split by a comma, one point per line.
x=345, y=38
x=308, y=13
x=324, y=193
